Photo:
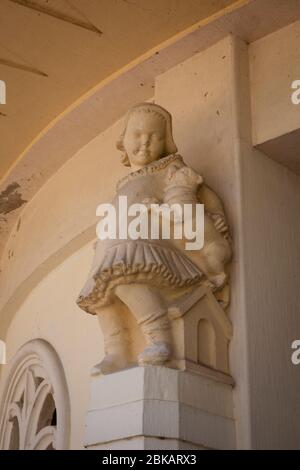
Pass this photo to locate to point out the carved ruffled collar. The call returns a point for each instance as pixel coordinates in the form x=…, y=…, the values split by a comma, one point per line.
x=149, y=169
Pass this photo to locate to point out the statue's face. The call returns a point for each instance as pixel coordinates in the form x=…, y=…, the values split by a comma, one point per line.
x=144, y=139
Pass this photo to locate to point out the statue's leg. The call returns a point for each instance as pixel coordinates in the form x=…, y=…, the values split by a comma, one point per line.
x=151, y=314
x=115, y=341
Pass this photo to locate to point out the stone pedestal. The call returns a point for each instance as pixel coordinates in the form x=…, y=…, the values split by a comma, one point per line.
x=156, y=407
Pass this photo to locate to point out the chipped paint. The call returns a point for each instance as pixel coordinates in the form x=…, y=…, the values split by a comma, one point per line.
x=10, y=198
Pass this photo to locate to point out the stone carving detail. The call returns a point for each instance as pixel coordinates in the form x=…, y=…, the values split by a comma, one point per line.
x=135, y=285
x=29, y=412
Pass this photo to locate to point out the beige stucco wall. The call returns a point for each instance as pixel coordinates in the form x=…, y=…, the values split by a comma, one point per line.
x=271, y=228
x=275, y=75
x=50, y=313
x=208, y=96
x=62, y=210
x=275, y=64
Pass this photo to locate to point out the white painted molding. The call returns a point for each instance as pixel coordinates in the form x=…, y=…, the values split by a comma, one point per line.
x=35, y=408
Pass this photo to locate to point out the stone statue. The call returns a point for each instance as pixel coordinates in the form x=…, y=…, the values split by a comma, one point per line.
x=143, y=274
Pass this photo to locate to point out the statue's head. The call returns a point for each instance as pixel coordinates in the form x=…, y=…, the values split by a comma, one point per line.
x=147, y=135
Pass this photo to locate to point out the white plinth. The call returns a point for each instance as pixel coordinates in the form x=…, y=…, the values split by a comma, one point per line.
x=159, y=408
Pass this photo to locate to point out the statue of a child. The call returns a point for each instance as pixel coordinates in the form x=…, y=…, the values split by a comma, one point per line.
x=138, y=272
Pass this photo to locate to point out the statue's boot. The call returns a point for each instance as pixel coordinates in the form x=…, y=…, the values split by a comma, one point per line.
x=150, y=312
x=116, y=341
x=157, y=333
x=115, y=358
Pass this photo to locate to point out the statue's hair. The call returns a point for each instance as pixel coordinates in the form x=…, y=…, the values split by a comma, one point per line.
x=158, y=111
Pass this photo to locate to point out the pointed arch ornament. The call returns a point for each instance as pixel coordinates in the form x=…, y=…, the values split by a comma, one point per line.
x=35, y=410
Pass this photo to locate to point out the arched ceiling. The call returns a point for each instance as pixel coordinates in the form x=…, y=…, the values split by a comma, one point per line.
x=72, y=68
x=54, y=51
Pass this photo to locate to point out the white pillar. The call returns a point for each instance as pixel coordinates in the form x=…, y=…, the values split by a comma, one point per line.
x=157, y=407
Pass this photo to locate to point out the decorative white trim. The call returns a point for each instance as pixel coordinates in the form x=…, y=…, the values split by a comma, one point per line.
x=35, y=408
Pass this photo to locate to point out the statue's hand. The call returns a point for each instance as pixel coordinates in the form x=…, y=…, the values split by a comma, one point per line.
x=220, y=224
